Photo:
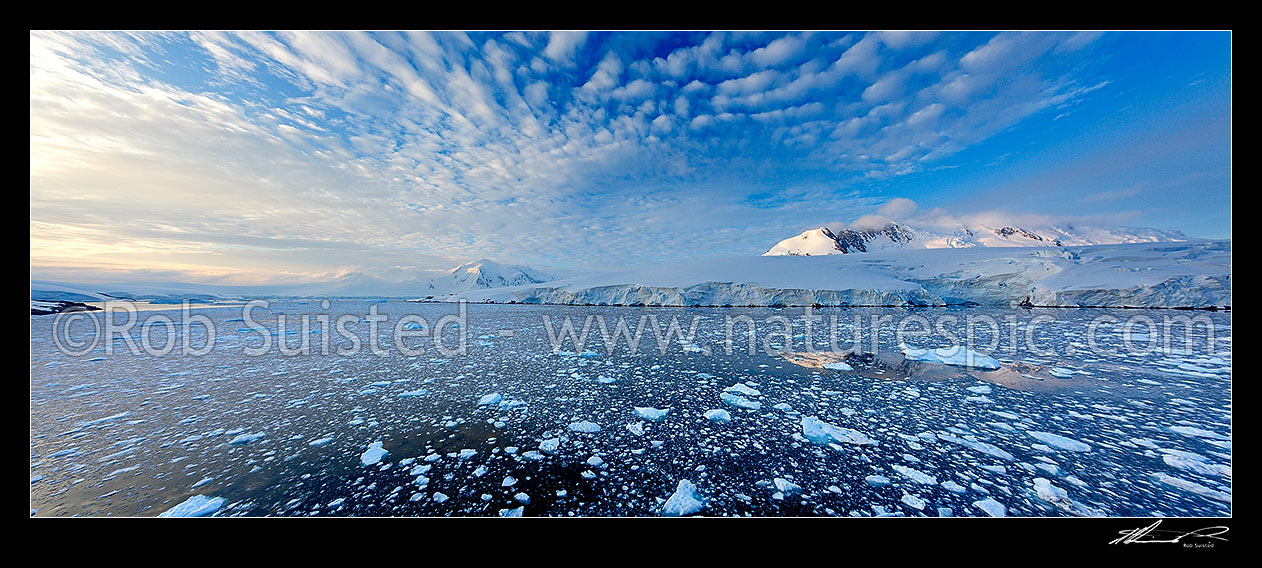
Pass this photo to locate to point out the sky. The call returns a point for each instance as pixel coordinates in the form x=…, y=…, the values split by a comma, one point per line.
x=266, y=158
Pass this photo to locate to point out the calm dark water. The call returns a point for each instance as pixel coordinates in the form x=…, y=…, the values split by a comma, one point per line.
x=126, y=434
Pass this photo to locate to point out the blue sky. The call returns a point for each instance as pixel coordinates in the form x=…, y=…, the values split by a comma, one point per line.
x=273, y=157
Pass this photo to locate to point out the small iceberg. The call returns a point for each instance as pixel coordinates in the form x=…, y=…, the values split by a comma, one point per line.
x=1060, y=442
x=245, y=439
x=991, y=507
x=651, y=414
x=740, y=401
x=823, y=433
x=958, y=356
x=685, y=501
x=718, y=416
x=373, y=454
x=742, y=388
x=195, y=506
x=585, y=427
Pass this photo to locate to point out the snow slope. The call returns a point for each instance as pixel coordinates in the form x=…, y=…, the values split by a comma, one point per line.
x=822, y=241
x=484, y=274
x=1162, y=275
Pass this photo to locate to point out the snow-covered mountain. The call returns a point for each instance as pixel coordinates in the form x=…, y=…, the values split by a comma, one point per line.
x=1194, y=274
x=483, y=274
x=480, y=274
x=822, y=241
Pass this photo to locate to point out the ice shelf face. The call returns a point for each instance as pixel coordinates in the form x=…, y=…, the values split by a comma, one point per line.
x=1194, y=274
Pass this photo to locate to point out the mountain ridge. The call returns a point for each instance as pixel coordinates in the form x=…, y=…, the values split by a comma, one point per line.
x=892, y=235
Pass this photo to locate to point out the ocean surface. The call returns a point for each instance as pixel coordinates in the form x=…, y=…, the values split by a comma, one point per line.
x=1077, y=422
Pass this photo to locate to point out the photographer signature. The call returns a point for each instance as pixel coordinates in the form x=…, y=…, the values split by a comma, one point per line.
x=1150, y=534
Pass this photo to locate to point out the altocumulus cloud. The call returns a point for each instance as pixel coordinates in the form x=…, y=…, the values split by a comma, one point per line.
x=252, y=157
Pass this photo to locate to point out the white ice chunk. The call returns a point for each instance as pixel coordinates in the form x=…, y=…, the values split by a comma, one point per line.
x=1060, y=442
x=195, y=506
x=823, y=433
x=991, y=507
x=685, y=501
x=585, y=427
x=959, y=356
x=246, y=438
x=915, y=475
x=651, y=414
x=718, y=416
x=373, y=454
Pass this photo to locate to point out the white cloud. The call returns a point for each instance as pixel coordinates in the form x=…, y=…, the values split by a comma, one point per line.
x=419, y=148
x=562, y=45
x=898, y=208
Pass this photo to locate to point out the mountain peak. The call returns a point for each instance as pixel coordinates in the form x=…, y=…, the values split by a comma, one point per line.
x=962, y=235
x=485, y=273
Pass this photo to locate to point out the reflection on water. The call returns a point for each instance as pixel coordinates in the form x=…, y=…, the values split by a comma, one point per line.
x=896, y=367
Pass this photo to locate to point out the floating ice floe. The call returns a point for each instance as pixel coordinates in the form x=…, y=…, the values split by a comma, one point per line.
x=742, y=388
x=785, y=486
x=550, y=445
x=1195, y=463
x=915, y=475
x=983, y=447
x=195, y=506
x=823, y=433
x=373, y=454
x=913, y=501
x=740, y=401
x=685, y=501
x=877, y=480
x=1060, y=442
x=958, y=356
x=490, y=399
x=837, y=366
x=1192, y=487
x=650, y=413
x=991, y=507
x=585, y=427
x=1197, y=432
x=718, y=416
x=1052, y=494
x=246, y=438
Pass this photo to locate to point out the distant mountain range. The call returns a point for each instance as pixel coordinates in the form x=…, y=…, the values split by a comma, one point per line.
x=470, y=276
x=891, y=271
x=482, y=274
x=824, y=241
